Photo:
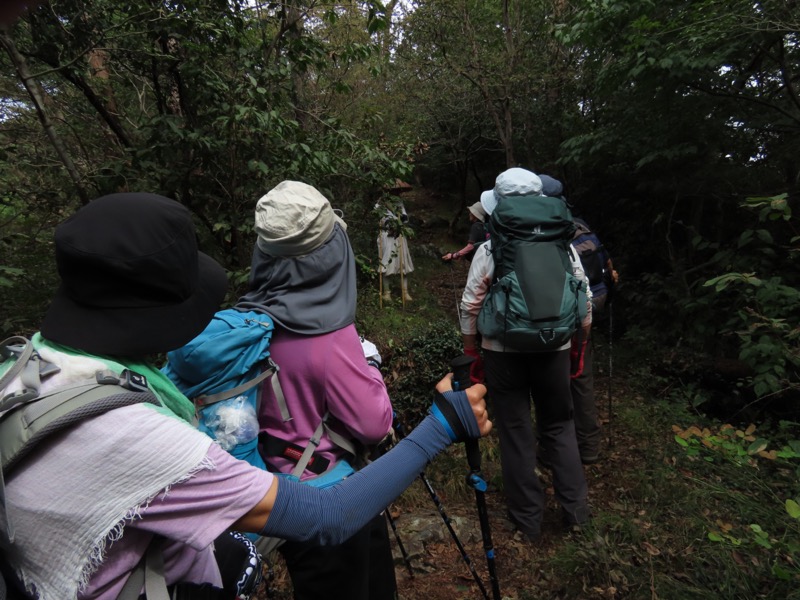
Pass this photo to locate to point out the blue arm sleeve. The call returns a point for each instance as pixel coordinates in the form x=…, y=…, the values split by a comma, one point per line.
x=332, y=515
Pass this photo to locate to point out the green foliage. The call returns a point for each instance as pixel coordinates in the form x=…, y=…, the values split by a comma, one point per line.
x=738, y=306
x=27, y=272
x=767, y=308
x=210, y=103
x=8, y=275
x=711, y=516
x=415, y=364
x=760, y=475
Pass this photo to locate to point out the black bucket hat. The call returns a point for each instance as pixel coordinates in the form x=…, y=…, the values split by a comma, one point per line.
x=132, y=280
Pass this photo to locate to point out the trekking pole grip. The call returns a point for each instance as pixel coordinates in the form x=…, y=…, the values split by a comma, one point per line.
x=461, y=381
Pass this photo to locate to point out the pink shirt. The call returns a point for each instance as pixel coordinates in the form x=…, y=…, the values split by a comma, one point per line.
x=322, y=373
x=190, y=516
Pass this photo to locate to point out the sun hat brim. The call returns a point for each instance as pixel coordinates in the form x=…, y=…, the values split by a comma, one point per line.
x=477, y=211
x=488, y=201
x=137, y=331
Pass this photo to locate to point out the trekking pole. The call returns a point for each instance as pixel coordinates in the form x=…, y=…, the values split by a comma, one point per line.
x=455, y=288
x=461, y=381
x=610, y=368
x=440, y=508
x=400, y=545
x=380, y=269
x=400, y=240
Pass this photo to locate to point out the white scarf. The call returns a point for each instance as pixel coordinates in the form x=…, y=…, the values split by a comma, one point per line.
x=80, y=488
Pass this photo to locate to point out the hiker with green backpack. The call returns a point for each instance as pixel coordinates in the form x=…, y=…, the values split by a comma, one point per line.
x=108, y=490
x=527, y=296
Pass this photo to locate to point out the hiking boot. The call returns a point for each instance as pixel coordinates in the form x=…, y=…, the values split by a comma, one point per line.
x=533, y=537
x=575, y=521
x=387, y=296
x=534, y=540
x=406, y=296
x=590, y=459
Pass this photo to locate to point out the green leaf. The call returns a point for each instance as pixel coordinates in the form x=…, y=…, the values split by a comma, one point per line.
x=793, y=508
x=780, y=572
x=757, y=446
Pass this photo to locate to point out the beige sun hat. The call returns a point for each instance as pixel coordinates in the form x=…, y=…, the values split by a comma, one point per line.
x=477, y=210
x=294, y=219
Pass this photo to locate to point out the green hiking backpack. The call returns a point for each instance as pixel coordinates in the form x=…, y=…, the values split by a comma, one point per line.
x=535, y=303
x=28, y=417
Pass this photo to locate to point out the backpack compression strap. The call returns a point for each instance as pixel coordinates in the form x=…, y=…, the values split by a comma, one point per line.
x=272, y=369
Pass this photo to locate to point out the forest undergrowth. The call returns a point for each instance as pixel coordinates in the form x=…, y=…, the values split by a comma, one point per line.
x=685, y=506
x=682, y=507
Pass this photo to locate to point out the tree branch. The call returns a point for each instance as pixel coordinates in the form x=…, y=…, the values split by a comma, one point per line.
x=38, y=101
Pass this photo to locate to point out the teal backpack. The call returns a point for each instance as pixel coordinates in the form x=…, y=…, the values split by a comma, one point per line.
x=535, y=303
x=222, y=371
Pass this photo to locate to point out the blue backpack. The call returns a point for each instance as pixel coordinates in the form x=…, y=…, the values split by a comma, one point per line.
x=220, y=371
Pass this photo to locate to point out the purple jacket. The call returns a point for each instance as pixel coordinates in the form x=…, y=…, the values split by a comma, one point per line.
x=325, y=373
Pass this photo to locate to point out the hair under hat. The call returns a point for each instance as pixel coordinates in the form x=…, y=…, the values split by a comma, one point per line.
x=294, y=219
x=132, y=280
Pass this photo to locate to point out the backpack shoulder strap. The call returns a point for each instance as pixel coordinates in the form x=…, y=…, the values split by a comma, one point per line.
x=25, y=365
x=27, y=418
x=148, y=574
x=29, y=422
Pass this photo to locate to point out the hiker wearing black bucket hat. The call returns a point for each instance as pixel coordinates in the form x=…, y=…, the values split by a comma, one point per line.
x=132, y=292
x=85, y=506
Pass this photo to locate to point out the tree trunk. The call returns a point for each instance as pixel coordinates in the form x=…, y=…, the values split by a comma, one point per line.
x=37, y=98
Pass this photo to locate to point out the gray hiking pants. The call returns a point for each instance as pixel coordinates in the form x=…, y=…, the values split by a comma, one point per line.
x=587, y=422
x=513, y=380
